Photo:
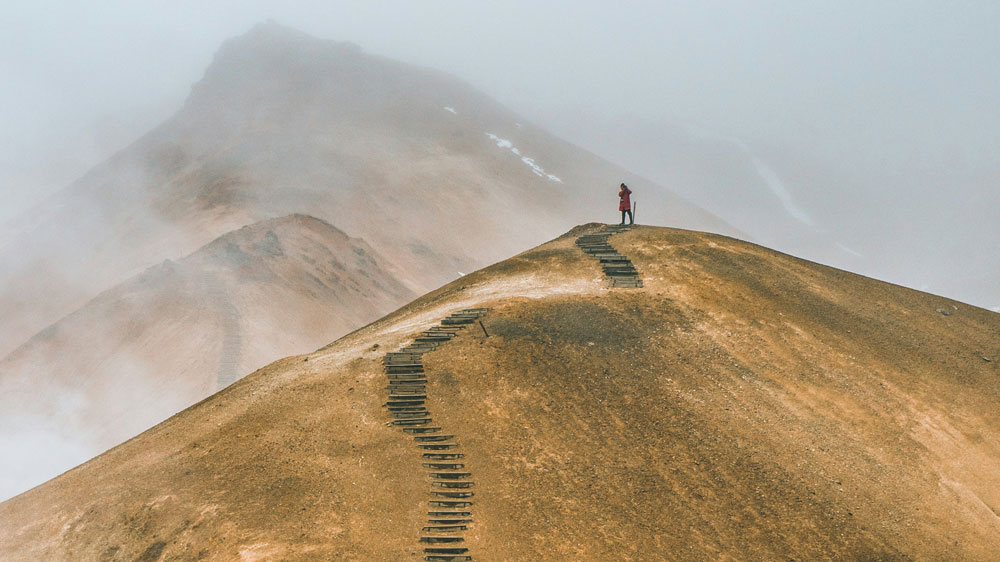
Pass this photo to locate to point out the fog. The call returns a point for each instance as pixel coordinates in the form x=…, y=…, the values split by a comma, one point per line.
x=892, y=82
x=891, y=102
x=867, y=131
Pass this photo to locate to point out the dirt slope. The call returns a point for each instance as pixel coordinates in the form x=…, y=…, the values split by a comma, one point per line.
x=175, y=334
x=742, y=405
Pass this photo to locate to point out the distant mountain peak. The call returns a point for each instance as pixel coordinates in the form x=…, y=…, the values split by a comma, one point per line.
x=272, y=32
x=271, y=39
x=273, y=62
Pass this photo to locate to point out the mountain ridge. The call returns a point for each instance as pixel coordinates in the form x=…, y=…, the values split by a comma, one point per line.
x=177, y=332
x=743, y=402
x=321, y=129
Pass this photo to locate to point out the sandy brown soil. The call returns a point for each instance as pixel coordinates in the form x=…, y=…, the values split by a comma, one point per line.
x=743, y=405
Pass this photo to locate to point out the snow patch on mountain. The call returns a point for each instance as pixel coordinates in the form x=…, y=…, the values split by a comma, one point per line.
x=530, y=162
x=451, y=110
x=501, y=143
x=534, y=167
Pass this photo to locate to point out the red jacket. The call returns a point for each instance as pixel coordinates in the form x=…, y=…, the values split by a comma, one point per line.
x=626, y=203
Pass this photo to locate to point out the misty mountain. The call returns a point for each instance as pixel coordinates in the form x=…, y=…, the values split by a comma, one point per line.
x=284, y=123
x=178, y=332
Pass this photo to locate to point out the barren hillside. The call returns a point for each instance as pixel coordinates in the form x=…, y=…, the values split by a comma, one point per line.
x=741, y=405
x=178, y=332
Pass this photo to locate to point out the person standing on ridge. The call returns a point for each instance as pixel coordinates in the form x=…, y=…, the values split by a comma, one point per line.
x=625, y=204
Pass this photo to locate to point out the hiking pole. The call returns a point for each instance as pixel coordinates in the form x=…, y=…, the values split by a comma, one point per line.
x=634, y=205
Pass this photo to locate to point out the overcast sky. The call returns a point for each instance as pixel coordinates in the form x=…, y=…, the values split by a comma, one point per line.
x=889, y=82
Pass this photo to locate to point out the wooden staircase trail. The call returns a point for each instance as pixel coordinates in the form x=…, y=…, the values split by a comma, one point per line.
x=451, y=486
x=617, y=268
x=451, y=489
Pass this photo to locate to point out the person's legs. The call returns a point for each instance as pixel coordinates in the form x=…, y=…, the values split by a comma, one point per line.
x=630, y=219
x=623, y=217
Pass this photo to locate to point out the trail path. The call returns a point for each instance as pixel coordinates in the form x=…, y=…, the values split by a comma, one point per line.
x=451, y=490
x=618, y=268
x=449, y=513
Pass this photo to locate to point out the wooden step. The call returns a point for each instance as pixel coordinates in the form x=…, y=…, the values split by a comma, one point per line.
x=450, y=494
x=445, y=528
x=449, y=513
x=400, y=369
x=409, y=409
x=421, y=429
x=410, y=415
x=453, y=484
x=407, y=376
x=449, y=503
x=444, y=456
x=404, y=403
x=441, y=540
x=432, y=339
x=431, y=438
x=416, y=421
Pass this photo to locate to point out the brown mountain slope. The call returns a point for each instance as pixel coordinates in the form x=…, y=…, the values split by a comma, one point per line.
x=171, y=336
x=286, y=123
x=743, y=404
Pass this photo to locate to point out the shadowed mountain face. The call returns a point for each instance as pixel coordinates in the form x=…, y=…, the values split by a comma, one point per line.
x=741, y=404
x=178, y=332
x=435, y=176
